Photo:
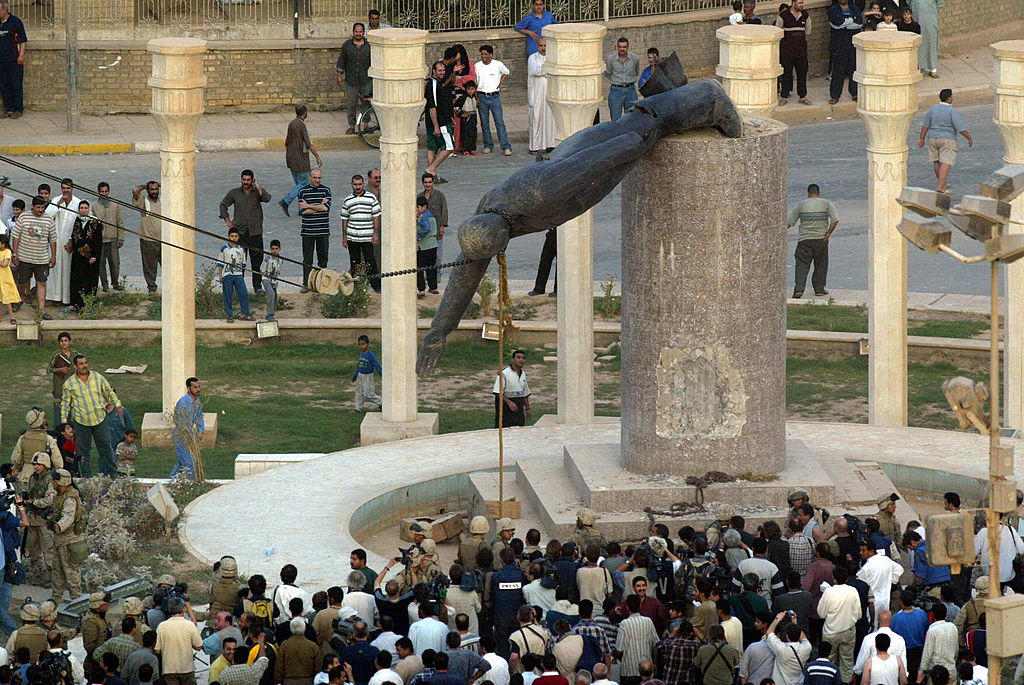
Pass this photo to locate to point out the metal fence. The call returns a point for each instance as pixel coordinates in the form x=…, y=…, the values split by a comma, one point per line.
x=309, y=18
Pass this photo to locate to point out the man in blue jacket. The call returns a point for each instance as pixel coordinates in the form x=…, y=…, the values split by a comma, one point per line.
x=845, y=19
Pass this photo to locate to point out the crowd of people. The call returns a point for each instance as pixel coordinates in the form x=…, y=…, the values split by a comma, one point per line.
x=813, y=599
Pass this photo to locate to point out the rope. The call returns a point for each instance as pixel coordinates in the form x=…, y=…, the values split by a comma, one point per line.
x=505, y=329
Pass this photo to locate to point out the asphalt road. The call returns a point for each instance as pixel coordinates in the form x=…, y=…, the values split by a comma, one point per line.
x=830, y=154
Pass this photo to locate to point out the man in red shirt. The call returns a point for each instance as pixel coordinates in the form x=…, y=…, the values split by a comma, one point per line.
x=550, y=676
x=649, y=607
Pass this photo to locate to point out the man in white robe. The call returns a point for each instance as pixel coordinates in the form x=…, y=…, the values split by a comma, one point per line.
x=65, y=209
x=542, y=121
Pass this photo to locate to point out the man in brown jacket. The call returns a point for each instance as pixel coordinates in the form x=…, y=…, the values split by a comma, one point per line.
x=297, y=146
x=298, y=659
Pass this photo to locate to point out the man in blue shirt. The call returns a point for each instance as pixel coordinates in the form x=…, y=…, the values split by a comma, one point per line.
x=12, y=62
x=925, y=576
x=652, y=61
x=189, y=428
x=941, y=125
x=911, y=624
x=532, y=25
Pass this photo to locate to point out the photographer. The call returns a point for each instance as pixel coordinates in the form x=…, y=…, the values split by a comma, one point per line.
x=9, y=525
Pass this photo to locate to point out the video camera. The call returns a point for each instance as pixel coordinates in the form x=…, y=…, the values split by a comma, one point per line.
x=178, y=591
x=406, y=554
x=438, y=586
x=7, y=497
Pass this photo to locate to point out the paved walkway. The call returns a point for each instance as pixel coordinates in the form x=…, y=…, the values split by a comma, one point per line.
x=43, y=133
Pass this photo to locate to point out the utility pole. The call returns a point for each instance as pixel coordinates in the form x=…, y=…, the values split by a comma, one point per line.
x=71, y=49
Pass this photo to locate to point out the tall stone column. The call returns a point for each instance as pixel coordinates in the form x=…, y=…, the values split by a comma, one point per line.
x=748, y=64
x=1008, y=84
x=887, y=74
x=178, y=82
x=574, y=68
x=398, y=68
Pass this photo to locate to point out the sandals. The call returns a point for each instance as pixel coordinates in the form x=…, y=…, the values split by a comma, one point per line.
x=47, y=317
x=14, y=322
x=245, y=317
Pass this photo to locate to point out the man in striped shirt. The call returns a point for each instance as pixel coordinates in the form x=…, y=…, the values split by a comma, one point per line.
x=84, y=402
x=315, y=210
x=360, y=223
x=818, y=218
x=34, y=244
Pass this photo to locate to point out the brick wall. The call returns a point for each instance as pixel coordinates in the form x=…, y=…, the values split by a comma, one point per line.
x=265, y=75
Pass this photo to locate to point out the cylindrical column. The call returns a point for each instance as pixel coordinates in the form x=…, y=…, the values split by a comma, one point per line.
x=887, y=73
x=178, y=82
x=748, y=64
x=397, y=70
x=703, y=304
x=1008, y=84
x=574, y=66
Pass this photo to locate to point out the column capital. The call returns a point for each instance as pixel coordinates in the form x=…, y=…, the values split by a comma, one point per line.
x=398, y=67
x=748, y=63
x=888, y=74
x=574, y=67
x=1008, y=85
x=178, y=82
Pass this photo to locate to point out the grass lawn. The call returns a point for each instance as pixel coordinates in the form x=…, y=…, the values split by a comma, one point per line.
x=804, y=317
x=298, y=398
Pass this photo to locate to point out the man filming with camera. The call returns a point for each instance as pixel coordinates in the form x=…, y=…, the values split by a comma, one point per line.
x=9, y=525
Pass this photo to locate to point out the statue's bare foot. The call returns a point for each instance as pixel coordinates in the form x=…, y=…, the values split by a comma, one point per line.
x=430, y=353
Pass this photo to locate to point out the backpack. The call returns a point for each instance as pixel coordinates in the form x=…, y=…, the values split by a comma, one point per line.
x=55, y=669
x=856, y=528
x=472, y=580
x=550, y=580
x=686, y=578
x=263, y=609
x=664, y=580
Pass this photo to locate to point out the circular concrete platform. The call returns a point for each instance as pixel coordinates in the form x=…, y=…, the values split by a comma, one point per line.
x=312, y=514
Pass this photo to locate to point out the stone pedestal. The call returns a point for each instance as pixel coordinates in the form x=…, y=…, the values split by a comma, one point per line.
x=574, y=67
x=397, y=72
x=887, y=75
x=748, y=64
x=1008, y=84
x=703, y=305
x=177, y=82
x=156, y=431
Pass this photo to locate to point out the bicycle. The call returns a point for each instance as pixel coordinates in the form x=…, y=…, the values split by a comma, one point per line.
x=367, y=124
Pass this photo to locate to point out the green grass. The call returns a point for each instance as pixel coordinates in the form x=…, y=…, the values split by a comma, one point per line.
x=968, y=328
x=829, y=317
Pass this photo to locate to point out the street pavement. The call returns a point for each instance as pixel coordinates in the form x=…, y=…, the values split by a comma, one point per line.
x=831, y=154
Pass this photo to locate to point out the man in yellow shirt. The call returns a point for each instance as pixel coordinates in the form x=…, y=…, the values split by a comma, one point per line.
x=84, y=401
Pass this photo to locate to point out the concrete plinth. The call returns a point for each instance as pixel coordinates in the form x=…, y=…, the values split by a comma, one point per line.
x=156, y=431
x=748, y=64
x=888, y=75
x=703, y=305
x=1008, y=85
x=375, y=429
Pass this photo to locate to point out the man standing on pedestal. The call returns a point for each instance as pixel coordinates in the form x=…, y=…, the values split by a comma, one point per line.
x=109, y=215
x=189, y=429
x=150, y=230
x=542, y=121
x=437, y=203
x=315, y=210
x=353, y=65
x=360, y=229
x=818, y=218
x=248, y=202
x=515, y=394
x=845, y=20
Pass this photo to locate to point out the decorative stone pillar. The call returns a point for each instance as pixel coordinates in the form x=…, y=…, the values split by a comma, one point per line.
x=887, y=74
x=748, y=63
x=574, y=68
x=1008, y=84
x=398, y=68
x=178, y=82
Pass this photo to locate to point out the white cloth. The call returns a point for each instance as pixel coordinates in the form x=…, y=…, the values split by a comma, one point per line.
x=897, y=647
x=885, y=672
x=542, y=121
x=58, y=285
x=515, y=385
x=428, y=633
x=385, y=675
x=733, y=628
x=790, y=660
x=840, y=607
x=385, y=642
x=285, y=593
x=364, y=605
x=498, y=673
x=6, y=214
x=880, y=572
x=488, y=76
x=1010, y=545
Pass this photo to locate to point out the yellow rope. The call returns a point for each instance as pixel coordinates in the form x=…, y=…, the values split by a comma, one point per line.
x=505, y=329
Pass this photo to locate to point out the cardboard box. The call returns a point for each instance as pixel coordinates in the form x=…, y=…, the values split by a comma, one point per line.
x=448, y=526
x=511, y=509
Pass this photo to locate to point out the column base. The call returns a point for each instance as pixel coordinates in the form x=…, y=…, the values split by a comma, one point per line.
x=156, y=432
x=374, y=429
x=554, y=420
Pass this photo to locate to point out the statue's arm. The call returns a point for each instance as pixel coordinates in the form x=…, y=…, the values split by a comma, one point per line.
x=462, y=285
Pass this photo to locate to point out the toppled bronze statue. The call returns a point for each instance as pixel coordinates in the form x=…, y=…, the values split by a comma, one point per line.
x=582, y=170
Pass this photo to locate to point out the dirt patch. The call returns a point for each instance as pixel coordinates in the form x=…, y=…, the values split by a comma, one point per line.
x=853, y=410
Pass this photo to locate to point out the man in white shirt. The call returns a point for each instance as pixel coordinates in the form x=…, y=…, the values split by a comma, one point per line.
x=65, y=210
x=490, y=75
x=897, y=645
x=840, y=607
x=1010, y=545
x=791, y=656
x=428, y=632
x=388, y=638
x=361, y=602
x=879, y=572
x=941, y=644
x=534, y=592
x=286, y=591
x=498, y=673
x=384, y=674
x=515, y=393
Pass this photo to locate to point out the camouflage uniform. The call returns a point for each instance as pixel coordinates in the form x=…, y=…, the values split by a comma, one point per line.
x=586, y=534
x=66, y=521
x=39, y=542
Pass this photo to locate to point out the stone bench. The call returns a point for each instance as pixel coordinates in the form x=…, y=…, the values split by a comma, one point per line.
x=249, y=464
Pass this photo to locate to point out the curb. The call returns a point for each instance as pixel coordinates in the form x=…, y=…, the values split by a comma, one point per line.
x=791, y=115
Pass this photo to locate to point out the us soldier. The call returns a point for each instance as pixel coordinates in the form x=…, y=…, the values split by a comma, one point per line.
x=133, y=609
x=67, y=521
x=162, y=583
x=413, y=572
x=586, y=534
x=429, y=567
x=30, y=634
x=887, y=523
x=39, y=544
x=713, y=532
x=95, y=630
x=48, y=620
x=224, y=590
x=827, y=522
x=505, y=530
x=33, y=440
x=477, y=540
x=420, y=532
